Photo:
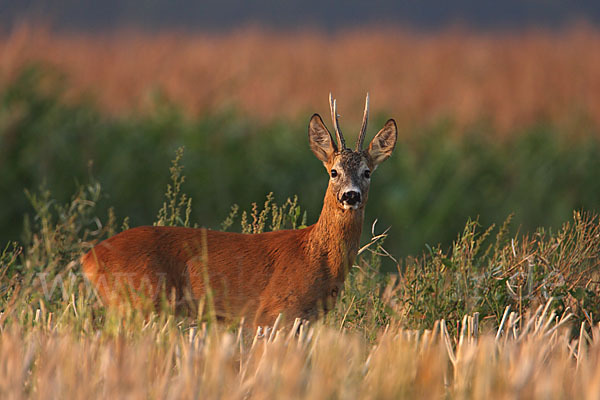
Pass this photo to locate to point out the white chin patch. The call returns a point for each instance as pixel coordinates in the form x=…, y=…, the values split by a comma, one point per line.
x=350, y=207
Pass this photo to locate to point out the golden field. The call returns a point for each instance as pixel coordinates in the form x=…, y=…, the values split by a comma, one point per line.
x=507, y=80
x=161, y=358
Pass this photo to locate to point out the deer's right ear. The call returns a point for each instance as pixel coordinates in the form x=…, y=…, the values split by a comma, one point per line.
x=320, y=139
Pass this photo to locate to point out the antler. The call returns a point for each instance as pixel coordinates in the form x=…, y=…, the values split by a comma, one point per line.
x=363, y=129
x=336, y=124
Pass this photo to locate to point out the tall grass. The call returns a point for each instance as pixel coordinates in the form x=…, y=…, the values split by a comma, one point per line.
x=496, y=315
x=484, y=271
x=169, y=362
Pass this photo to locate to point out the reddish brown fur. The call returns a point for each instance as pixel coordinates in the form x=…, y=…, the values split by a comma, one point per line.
x=256, y=276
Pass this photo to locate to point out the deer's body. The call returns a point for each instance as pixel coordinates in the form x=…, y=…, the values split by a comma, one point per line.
x=256, y=276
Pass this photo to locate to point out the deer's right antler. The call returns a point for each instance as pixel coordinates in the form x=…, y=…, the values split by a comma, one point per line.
x=336, y=123
x=363, y=129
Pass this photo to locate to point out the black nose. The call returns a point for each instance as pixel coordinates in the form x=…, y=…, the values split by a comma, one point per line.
x=351, y=197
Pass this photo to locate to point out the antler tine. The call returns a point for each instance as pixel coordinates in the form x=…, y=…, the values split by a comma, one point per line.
x=363, y=129
x=336, y=123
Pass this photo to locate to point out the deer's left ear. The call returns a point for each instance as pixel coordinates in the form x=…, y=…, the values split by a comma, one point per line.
x=383, y=143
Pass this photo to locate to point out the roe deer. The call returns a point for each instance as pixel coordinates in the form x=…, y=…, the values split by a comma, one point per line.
x=256, y=276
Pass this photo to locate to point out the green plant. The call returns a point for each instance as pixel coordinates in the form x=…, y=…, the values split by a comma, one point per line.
x=485, y=276
x=170, y=213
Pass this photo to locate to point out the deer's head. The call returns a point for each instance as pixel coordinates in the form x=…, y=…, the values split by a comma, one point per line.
x=350, y=170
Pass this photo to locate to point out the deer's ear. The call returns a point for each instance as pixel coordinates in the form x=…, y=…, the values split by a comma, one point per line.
x=383, y=143
x=320, y=139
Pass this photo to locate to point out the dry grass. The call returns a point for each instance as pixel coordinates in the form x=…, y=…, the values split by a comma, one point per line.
x=160, y=359
x=509, y=80
x=57, y=342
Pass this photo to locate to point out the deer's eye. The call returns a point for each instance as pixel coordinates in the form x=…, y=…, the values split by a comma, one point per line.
x=334, y=173
x=367, y=174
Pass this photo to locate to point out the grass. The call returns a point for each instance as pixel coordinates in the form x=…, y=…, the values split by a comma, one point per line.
x=495, y=316
x=167, y=360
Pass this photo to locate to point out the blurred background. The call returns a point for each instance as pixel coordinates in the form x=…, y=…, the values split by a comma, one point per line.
x=497, y=103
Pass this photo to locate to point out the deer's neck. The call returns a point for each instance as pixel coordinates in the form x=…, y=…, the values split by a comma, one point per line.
x=335, y=237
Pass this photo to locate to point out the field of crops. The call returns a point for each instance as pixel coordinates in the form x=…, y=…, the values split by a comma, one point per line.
x=486, y=284
x=508, y=82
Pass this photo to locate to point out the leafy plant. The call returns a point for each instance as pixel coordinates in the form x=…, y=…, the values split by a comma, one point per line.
x=170, y=213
